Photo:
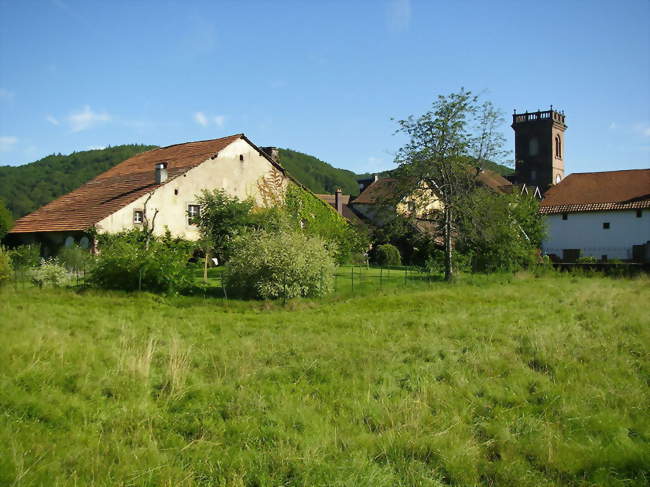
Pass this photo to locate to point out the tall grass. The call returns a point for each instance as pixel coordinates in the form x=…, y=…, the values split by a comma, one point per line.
x=506, y=380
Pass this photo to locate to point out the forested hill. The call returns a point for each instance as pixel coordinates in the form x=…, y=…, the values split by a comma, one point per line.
x=28, y=187
x=318, y=176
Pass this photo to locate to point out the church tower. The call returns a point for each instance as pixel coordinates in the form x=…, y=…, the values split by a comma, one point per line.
x=539, y=147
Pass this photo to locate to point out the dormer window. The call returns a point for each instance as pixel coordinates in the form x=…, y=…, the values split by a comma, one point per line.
x=193, y=213
x=138, y=217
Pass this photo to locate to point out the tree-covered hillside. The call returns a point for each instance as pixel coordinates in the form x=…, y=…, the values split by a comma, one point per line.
x=28, y=187
x=318, y=176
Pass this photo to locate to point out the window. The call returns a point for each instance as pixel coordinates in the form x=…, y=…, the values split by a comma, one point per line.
x=533, y=147
x=138, y=216
x=241, y=157
x=176, y=192
x=605, y=225
x=639, y=213
x=193, y=212
x=558, y=178
x=565, y=216
x=533, y=175
x=558, y=147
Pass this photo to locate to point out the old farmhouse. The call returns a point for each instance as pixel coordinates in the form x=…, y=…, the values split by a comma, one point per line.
x=158, y=188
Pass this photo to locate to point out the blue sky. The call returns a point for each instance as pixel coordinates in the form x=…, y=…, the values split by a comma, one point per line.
x=323, y=78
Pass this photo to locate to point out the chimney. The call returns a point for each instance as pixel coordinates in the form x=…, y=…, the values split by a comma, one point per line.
x=272, y=152
x=338, y=201
x=161, y=172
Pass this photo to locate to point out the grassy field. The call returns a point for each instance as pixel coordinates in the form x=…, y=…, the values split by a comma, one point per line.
x=506, y=380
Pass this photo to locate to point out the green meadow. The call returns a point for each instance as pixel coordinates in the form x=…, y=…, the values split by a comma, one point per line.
x=491, y=381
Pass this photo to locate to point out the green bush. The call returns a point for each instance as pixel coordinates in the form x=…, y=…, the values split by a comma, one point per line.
x=285, y=265
x=125, y=262
x=387, y=254
x=74, y=258
x=49, y=273
x=6, y=272
x=25, y=256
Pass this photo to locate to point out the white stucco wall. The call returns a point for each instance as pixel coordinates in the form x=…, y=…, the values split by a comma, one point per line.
x=585, y=231
x=226, y=171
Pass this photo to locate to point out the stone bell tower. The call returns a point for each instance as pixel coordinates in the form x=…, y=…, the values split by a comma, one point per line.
x=539, y=147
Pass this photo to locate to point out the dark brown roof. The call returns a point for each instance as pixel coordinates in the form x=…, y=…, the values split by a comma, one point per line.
x=382, y=189
x=599, y=191
x=117, y=187
x=377, y=192
x=493, y=180
x=348, y=214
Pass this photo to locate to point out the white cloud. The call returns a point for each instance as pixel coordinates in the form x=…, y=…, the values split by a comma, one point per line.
x=7, y=142
x=399, y=15
x=6, y=94
x=204, y=120
x=642, y=128
x=86, y=118
x=613, y=126
x=52, y=119
x=201, y=119
x=96, y=147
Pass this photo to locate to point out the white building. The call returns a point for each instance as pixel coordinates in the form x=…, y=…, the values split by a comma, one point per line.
x=599, y=214
x=159, y=187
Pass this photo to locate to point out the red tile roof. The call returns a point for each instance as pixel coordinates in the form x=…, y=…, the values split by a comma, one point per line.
x=117, y=187
x=599, y=191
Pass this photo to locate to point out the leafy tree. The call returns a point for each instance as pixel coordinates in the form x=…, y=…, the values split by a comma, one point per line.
x=500, y=232
x=446, y=146
x=6, y=221
x=221, y=219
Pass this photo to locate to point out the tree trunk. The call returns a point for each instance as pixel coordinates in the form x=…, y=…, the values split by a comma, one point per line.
x=205, y=266
x=449, y=271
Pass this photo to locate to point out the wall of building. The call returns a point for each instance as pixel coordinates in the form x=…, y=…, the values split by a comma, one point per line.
x=238, y=178
x=585, y=231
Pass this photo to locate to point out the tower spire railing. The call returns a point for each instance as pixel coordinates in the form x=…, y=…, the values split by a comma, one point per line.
x=538, y=115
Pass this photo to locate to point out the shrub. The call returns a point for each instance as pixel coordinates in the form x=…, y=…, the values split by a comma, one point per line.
x=74, y=258
x=49, y=273
x=6, y=272
x=25, y=256
x=126, y=263
x=285, y=265
x=387, y=254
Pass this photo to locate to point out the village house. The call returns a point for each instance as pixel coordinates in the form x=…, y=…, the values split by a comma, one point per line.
x=599, y=214
x=157, y=188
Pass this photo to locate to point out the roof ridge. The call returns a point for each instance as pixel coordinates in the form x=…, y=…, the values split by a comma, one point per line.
x=197, y=142
x=603, y=172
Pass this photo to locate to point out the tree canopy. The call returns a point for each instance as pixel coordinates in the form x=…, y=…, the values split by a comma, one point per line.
x=447, y=146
